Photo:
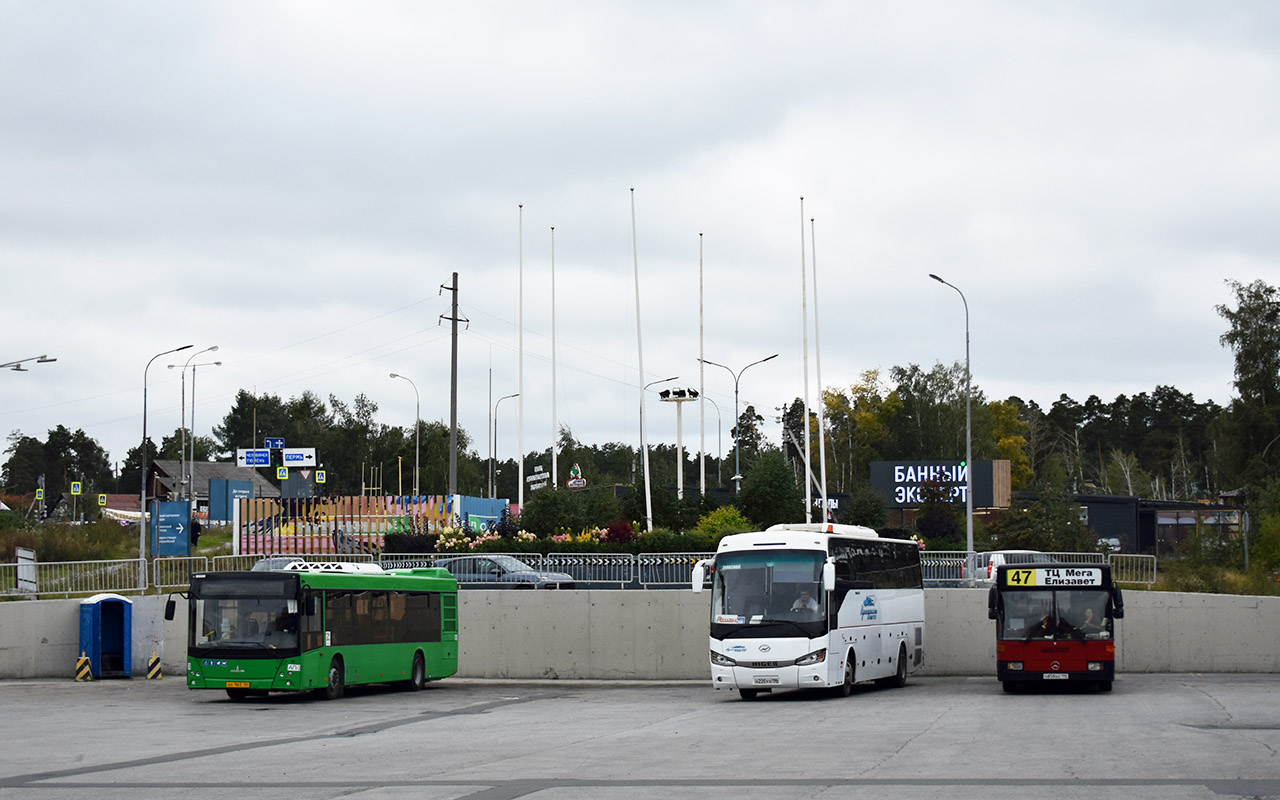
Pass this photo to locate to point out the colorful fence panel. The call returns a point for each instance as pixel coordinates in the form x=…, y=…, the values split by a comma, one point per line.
x=343, y=525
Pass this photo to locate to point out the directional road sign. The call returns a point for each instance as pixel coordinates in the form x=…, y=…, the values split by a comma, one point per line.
x=299, y=456
x=253, y=458
x=169, y=526
x=273, y=443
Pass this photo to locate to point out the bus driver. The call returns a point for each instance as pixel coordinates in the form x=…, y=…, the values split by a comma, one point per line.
x=804, y=602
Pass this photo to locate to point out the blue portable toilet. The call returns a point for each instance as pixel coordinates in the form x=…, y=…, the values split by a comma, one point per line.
x=106, y=635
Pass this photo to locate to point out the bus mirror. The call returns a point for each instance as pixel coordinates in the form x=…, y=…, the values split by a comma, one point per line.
x=993, y=600
x=170, y=608
x=699, y=575
x=829, y=576
x=310, y=608
x=1117, y=603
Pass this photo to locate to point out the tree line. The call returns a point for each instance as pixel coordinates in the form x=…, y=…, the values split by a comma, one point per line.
x=1160, y=444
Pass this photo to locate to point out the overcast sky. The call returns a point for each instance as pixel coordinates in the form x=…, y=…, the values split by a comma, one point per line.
x=293, y=182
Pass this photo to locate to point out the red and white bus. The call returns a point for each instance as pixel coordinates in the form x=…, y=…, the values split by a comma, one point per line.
x=1055, y=622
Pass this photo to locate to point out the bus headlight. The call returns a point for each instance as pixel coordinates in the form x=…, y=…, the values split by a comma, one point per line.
x=1015, y=665
x=816, y=657
x=1095, y=666
x=722, y=661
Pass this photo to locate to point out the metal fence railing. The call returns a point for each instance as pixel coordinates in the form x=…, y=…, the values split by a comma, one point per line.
x=66, y=578
x=940, y=568
x=1133, y=568
x=593, y=569
x=169, y=572
x=667, y=569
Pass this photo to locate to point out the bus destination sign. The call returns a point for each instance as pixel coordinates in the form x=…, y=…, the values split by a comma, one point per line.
x=1053, y=576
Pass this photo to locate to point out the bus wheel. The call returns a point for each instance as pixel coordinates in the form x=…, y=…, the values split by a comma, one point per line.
x=237, y=694
x=1104, y=686
x=418, y=676
x=334, y=689
x=1009, y=686
x=748, y=694
x=846, y=686
x=900, y=678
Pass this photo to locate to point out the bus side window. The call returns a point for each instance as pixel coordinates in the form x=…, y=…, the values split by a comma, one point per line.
x=312, y=624
x=844, y=578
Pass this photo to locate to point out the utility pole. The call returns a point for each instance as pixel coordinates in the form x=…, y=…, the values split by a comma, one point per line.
x=453, y=384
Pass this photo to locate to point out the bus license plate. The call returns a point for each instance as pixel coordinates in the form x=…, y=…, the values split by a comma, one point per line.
x=1048, y=676
x=237, y=684
x=769, y=680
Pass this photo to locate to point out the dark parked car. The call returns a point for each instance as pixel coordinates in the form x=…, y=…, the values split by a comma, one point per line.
x=504, y=570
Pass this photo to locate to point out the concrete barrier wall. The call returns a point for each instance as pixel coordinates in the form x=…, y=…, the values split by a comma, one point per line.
x=662, y=635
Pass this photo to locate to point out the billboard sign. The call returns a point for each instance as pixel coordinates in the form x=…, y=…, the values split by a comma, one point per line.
x=904, y=484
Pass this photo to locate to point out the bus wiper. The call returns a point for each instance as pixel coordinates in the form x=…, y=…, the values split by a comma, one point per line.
x=791, y=622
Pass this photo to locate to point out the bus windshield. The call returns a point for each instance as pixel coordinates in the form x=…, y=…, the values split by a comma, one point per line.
x=753, y=588
x=245, y=612
x=1054, y=614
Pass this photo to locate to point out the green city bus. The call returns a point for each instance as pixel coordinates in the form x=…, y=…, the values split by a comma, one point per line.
x=320, y=627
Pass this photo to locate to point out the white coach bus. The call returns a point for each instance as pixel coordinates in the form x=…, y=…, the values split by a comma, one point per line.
x=812, y=606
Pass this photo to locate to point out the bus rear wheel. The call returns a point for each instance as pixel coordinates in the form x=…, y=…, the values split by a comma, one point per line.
x=418, y=675
x=748, y=694
x=1104, y=686
x=899, y=678
x=333, y=690
x=237, y=694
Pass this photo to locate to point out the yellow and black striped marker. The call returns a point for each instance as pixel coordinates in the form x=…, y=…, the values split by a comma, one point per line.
x=83, y=671
x=153, y=667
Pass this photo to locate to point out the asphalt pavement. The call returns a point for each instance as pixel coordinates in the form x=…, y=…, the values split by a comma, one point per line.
x=1154, y=736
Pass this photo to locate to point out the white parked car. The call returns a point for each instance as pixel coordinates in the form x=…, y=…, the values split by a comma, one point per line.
x=1112, y=545
x=980, y=568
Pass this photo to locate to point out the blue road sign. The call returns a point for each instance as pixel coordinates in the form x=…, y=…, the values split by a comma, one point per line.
x=253, y=458
x=170, y=524
x=273, y=444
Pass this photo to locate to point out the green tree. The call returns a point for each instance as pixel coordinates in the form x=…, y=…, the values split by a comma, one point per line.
x=25, y=464
x=939, y=518
x=1253, y=424
x=748, y=440
x=769, y=492
x=251, y=418
x=863, y=507
x=1051, y=523
x=130, y=478
x=1009, y=434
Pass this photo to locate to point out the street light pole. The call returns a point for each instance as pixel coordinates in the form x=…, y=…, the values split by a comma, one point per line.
x=192, y=472
x=679, y=397
x=142, y=462
x=493, y=448
x=737, y=425
x=644, y=455
x=719, y=440
x=182, y=426
x=968, y=423
x=417, y=416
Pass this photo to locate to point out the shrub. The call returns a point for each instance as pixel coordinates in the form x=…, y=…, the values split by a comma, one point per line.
x=619, y=532
x=722, y=522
